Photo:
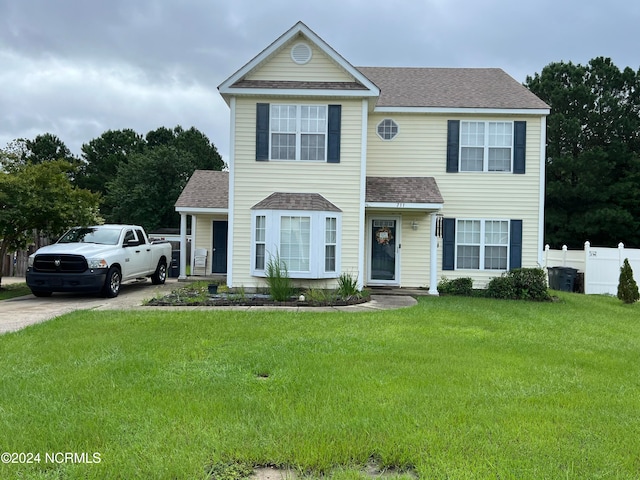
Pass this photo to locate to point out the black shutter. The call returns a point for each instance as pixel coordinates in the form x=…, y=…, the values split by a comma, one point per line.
x=519, y=146
x=453, y=145
x=448, y=243
x=515, y=253
x=333, y=127
x=262, y=131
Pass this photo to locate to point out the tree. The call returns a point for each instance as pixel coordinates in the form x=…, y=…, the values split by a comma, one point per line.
x=205, y=154
x=627, y=286
x=146, y=187
x=45, y=148
x=593, y=152
x=103, y=155
x=40, y=197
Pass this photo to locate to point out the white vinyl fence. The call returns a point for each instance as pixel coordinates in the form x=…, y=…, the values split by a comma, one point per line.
x=600, y=265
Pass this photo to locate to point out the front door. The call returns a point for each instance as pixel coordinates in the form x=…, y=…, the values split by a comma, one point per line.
x=384, y=251
x=219, y=257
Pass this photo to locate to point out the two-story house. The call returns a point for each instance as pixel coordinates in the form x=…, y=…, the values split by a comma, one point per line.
x=398, y=176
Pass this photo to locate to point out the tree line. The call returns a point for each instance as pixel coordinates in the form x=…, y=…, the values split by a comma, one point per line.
x=120, y=177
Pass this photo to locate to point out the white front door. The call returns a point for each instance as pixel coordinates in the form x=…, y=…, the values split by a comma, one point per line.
x=384, y=254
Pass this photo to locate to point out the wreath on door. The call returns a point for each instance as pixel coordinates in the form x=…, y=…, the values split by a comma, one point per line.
x=383, y=236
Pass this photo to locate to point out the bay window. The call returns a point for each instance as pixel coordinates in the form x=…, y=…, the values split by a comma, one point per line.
x=307, y=242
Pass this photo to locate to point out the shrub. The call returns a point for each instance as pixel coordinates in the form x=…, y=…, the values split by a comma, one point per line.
x=347, y=286
x=280, y=286
x=457, y=286
x=520, y=284
x=627, y=286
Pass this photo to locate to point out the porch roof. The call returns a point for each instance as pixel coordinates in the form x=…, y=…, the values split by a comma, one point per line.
x=206, y=189
x=296, y=201
x=403, y=192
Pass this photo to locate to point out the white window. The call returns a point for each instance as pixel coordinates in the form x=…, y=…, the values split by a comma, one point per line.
x=298, y=132
x=387, y=129
x=306, y=242
x=330, y=244
x=486, y=146
x=260, y=230
x=482, y=244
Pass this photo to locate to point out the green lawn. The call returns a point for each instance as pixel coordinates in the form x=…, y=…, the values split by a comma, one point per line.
x=452, y=388
x=13, y=290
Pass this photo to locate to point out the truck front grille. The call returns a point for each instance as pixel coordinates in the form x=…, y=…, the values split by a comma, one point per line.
x=60, y=263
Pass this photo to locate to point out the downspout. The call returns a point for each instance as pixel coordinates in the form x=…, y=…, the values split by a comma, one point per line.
x=363, y=190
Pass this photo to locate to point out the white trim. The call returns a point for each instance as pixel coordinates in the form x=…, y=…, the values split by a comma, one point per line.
x=298, y=28
x=201, y=210
x=397, y=258
x=543, y=164
x=183, y=247
x=465, y=110
x=433, y=256
x=232, y=176
x=405, y=206
x=362, y=251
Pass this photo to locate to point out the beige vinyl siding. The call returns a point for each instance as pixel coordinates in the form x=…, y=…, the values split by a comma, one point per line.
x=320, y=68
x=420, y=150
x=337, y=182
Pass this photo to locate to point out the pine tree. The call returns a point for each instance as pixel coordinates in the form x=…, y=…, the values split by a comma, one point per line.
x=627, y=286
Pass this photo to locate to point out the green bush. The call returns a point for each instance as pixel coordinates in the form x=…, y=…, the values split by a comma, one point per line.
x=457, y=286
x=627, y=286
x=280, y=286
x=347, y=286
x=520, y=284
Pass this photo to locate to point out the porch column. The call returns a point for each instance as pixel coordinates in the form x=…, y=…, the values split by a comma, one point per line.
x=433, y=277
x=183, y=247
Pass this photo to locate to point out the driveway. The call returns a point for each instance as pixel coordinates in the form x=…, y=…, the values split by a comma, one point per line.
x=20, y=312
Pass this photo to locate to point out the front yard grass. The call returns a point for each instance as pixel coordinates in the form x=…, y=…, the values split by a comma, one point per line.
x=13, y=290
x=452, y=388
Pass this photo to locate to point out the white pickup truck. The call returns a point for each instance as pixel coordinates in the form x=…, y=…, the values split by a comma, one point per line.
x=97, y=259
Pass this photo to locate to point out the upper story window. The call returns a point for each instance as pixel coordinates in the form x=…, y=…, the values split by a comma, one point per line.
x=298, y=132
x=486, y=146
x=387, y=129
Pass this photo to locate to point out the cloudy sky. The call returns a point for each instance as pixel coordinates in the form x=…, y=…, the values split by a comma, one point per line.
x=76, y=68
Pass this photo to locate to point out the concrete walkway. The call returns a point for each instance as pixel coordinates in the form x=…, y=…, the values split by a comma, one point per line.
x=20, y=312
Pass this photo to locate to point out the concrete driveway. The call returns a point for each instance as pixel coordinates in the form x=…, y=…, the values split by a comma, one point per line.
x=20, y=312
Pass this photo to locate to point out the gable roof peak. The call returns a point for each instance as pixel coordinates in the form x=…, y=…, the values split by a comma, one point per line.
x=228, y=87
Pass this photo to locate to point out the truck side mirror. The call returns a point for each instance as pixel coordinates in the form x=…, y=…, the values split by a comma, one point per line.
x=131, y=243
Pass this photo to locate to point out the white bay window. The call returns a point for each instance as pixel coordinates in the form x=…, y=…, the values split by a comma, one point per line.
x=307, y=242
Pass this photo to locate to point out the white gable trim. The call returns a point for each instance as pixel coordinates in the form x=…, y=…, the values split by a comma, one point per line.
x=299, y=28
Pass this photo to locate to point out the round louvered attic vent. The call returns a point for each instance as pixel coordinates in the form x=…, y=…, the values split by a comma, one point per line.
x=301, y=53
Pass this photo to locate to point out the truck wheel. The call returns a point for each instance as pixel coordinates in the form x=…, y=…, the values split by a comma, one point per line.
x=112, y=283
x=41, y=293
x=160, y=275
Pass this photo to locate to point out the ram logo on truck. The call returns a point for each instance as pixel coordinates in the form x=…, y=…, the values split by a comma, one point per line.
x=97, y=259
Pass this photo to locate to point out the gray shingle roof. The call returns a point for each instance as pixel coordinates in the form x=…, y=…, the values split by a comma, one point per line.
x=205, y=189
x=292, y=84
x=450, y=88
x=402, y=190
x=296, y=201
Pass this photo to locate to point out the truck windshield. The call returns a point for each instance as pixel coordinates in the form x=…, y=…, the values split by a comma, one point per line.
x=104, y=236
